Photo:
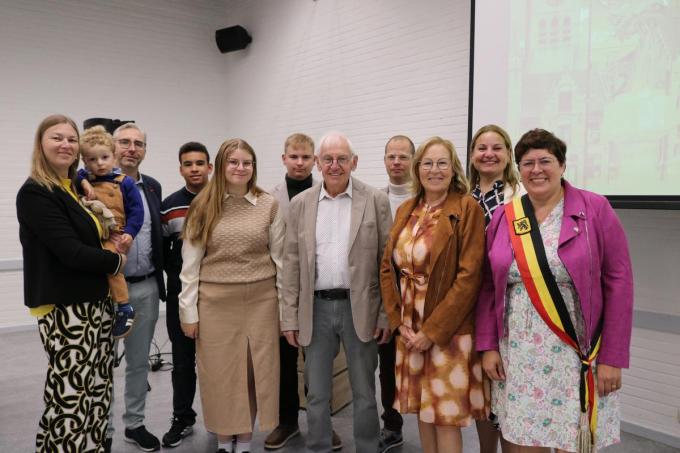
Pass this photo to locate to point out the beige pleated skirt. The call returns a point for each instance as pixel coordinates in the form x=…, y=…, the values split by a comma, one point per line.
x=234, y=318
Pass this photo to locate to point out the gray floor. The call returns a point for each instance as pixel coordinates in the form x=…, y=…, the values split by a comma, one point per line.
x=22, y=378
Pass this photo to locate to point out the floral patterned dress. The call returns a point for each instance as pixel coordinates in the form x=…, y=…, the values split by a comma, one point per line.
x=538, y=403
x=442, y=385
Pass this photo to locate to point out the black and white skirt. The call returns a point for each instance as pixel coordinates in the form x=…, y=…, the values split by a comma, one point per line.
x=79, y=346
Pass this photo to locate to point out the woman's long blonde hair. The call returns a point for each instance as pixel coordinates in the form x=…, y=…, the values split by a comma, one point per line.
x=206, y=209
x=41, y=171
x=510, y=175
x=459, y=182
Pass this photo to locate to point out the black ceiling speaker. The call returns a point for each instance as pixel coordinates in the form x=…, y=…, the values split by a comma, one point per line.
x=232, y=38
x=109, y=124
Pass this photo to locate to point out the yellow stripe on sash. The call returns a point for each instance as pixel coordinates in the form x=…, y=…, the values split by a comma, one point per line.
x=535, y=269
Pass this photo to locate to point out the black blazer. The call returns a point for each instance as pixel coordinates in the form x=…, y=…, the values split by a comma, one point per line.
x=64, y=262
x=153, y=192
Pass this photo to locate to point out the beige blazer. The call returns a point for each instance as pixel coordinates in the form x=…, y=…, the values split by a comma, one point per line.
x=280, y=192
x=370, y=224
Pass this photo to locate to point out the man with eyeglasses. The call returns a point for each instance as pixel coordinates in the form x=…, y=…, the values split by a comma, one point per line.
x=298, y=158
x=335, y=236
x=399, y=151
x=144, y=276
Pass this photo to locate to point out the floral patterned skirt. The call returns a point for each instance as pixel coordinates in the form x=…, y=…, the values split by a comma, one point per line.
x=538, y=403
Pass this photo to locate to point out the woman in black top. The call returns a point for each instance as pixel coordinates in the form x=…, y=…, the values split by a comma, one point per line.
x=493, y=177
x=494, y=182
x=66, y=289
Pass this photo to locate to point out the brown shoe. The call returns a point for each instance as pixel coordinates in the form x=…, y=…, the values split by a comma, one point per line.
x=337, y=442
x=280, y=436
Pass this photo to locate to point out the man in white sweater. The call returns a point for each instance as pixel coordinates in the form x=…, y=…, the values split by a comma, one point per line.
x=399, y=151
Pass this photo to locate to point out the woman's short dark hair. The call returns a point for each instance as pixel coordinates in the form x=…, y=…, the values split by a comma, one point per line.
x=541, y=139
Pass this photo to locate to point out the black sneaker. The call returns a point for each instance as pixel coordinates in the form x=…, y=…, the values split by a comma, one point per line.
x=143, y=438
x=123, y=320
x=389, y=439
x=178, y=431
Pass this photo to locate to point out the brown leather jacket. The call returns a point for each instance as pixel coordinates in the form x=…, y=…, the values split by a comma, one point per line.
x=455, y=277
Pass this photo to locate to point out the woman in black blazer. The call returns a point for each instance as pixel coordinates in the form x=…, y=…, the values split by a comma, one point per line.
x=66, y=289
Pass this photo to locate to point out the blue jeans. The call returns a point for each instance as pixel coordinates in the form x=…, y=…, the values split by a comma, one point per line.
x=144, y=299
x=332, y=323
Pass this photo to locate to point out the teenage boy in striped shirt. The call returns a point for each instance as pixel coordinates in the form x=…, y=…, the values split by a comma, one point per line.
x=195, y=168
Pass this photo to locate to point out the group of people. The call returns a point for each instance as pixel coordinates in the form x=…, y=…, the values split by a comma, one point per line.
x=504, y=299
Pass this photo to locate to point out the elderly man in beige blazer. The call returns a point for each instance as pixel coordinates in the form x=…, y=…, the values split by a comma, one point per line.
x=298, y=158
x=335, y=236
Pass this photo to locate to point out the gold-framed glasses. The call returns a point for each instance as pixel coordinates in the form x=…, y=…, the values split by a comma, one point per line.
x=234, y=163
x=529, y=164
x=428, y=164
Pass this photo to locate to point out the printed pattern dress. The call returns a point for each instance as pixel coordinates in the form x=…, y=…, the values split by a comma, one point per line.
x=538, y=404
x=442, y=385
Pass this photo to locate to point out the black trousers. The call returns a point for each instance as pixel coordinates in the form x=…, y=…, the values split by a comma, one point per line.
x=183, y=363
x=387, y=353
x=289, y=401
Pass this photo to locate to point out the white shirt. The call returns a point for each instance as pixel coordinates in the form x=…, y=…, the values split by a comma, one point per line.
x=332, y=239
x=192, y=255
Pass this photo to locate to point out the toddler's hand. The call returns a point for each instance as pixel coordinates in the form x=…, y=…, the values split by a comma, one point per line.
x=91, y=194
x=125, y=242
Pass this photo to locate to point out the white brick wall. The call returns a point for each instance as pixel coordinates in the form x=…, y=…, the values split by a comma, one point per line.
x=654, y=241
x=651, y=387
x=650, y=396
x=155, y=62
x=369, y=68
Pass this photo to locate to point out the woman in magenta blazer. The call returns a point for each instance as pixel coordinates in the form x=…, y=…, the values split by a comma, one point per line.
x=538, y=370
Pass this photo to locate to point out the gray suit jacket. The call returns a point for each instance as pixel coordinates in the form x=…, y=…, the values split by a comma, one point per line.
x=370, y=224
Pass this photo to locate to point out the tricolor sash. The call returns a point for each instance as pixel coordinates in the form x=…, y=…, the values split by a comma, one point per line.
x=545, y=295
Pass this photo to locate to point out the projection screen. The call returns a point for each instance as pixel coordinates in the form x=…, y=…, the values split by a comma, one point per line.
x=603, y=75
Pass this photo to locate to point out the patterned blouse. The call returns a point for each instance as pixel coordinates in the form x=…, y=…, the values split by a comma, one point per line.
x=489, y=201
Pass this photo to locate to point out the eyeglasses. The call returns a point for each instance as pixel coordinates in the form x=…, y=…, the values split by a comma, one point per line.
x=327, y=161
x=544, y=162
x=429, y=164
x=392, y=158
x=126, y=143
x=234, y=163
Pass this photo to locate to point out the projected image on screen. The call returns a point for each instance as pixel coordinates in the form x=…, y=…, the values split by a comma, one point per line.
x=603, y=75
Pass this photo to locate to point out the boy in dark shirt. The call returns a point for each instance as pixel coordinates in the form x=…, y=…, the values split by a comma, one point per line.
x=195, y=168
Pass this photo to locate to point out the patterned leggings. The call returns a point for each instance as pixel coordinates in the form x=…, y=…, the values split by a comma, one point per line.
x=78, y=342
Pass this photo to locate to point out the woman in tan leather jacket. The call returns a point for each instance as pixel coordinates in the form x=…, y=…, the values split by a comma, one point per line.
x=430, y=277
